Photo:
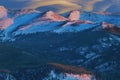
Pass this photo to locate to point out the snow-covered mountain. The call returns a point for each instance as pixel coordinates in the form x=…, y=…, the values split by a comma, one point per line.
x=84, y=39
x=32, y=21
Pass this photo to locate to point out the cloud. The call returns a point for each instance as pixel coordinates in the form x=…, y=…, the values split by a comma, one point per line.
x=67, y=4
x=62, y=6
x=4, y=20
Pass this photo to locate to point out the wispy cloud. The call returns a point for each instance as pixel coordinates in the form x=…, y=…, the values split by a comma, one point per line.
x=68, y=5
x=65, y=5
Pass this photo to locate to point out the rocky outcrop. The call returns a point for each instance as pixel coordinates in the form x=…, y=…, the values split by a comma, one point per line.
x=4, y=20
x=50, y=15
x=3, y=12
x=74, y=19
x=111, y=28
x=5, y=23
x=74, y=15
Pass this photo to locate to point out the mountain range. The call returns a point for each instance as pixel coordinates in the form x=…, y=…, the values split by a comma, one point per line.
x=29, y=21
x=30, y=38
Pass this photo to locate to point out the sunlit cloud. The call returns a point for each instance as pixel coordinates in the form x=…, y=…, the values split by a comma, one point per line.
x=62, y=6
x=87, y=5
x=67, y=4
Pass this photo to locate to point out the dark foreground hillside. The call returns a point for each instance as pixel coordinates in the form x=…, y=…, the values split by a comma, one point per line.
x=97, y=52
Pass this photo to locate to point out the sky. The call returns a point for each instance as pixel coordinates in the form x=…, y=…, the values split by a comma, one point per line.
x=62, y=6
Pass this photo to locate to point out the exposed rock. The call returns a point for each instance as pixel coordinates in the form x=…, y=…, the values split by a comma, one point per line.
x=74, y=15
x=111, y=28
x=4, y=23
x=50, y=15
x=3, y=12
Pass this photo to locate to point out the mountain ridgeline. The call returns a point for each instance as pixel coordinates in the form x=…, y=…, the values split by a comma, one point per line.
x=31, y=41
x=28, y=21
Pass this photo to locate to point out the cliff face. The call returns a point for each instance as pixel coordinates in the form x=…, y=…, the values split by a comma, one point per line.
x=5, y=23
x=111, y=28
x=3, y=12
x=74, y=15
x=50, y=15
x=4, y=20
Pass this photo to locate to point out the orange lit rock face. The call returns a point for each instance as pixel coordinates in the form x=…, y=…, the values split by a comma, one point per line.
x=5, y=23
x=74, y=19
x=4, y=20
x=53, y=16
x=3, y=12
x=74, y=15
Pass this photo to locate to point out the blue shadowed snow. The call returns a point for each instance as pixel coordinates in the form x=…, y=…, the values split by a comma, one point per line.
x=41, y=27
x=78, y=28
x=20, y=20
x=92, y=17
x=29, y=24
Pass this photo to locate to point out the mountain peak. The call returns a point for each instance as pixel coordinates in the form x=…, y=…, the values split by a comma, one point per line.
x=111, y=28
x=3, y=12
x=50, y=15
x=74, y=15
x=107, y=25
x=4, y=23
x=4, y=20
